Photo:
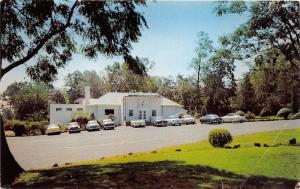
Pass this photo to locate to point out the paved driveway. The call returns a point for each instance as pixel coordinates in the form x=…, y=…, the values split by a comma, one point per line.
x=44, y=151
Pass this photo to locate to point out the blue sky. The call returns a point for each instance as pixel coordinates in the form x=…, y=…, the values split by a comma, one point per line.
x=170, y=40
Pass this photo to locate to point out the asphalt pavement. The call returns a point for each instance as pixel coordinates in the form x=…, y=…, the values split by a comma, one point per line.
x=44, y=151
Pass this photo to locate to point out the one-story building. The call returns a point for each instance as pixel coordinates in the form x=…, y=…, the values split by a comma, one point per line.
x=124, y=106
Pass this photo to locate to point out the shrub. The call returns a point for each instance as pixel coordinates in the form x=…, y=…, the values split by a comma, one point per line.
x=219, y=137
x=8, y=126
x=296, y=116
x=284, y=112
x=249, y=115
x=240, y=112
x=266, y=111
x=81, y=117
x=63, y=127
x=26, y=127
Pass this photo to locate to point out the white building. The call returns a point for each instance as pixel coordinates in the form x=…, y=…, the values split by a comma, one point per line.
x=124, y=106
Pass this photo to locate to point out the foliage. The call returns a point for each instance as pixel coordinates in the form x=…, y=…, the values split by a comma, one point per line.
x=265, y=112
x=73, y=85
x=49, y=29
x=57, y=97
x=81, y=117
x=284, y=112
x=29, y=100
x=296, y=116
x=250, y=116
x=21, y=128
x=219, y=137
x=7, y=114
x=63, y=127
x=246, y=94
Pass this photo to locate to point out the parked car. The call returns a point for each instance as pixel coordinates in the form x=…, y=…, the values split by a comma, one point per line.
x=138, y=123
x=53, y=129
x=92, y=125
x=159, y=121
x=108, y=124
x=74, y=127
x=232, y=117
x=211, y=118
x=188, y=119
x=174, y=120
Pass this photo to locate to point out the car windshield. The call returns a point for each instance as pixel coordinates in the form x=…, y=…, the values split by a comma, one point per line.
x=73, y=123
x=231, y=114
x=212, y=115
x=53, y=125
x=173, y=116
x=92, y=122
x=107, y=120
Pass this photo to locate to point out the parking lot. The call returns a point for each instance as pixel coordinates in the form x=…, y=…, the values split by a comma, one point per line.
x=43, y=151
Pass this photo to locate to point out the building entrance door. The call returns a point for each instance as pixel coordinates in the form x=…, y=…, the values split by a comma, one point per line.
x=143, y=114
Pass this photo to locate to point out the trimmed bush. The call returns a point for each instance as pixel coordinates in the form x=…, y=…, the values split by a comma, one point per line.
x=26, y=127
x=266, y=111
x=240, y=112
x=10, y=134
x=63, y=127
x=219, y=137
x=250, y=116
x=284, y=112
x=296, y=116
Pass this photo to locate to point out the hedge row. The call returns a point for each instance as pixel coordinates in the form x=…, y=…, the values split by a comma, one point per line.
x=22, y=128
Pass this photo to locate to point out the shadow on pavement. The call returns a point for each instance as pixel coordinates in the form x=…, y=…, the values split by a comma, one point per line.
x=163, y=174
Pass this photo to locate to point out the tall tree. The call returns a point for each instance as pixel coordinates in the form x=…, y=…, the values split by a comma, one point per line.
x=47, y=33
x=57, y=97
x=271, y=24
x=246, y=95
x=73, y=85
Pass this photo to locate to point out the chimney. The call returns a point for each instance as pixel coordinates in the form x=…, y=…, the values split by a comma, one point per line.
x=87, y=95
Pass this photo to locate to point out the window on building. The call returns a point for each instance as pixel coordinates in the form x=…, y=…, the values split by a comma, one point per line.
x=153, y=112
x=130, y=112
x=79, y=109
x=69, y=109
x=58, y=109
x=109, y=111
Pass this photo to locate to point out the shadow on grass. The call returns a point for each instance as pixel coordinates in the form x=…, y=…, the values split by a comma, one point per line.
x=163, y=174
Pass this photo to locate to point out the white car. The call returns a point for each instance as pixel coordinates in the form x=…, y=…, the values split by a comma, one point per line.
x=174, y=120
x=108, y=124
x=232, y=117
x=53, y=129
x=92, y=126
x=138, y=123
x=188, y=119
x=74, y=127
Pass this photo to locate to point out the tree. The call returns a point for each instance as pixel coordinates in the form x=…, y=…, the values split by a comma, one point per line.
x=73, y=85
x=246, y=95
x=30, y=100
x=203, y=50
x=92, y=79
x=44, y=32
x=57, y=97
x=271, y=25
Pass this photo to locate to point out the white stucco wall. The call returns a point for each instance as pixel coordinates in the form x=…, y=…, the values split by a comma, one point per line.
x=141, y=103
x=172, y=110
x=62, y=116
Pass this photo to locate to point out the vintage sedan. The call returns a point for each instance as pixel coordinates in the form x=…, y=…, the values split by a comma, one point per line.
x=108, y=124
x=53, y=129
x=232, y=117
x=159, y=121
x=174, y=120
x=188, y=119
x=138, y=123
x=92, y=125
x=74, y=127
x=211, y=118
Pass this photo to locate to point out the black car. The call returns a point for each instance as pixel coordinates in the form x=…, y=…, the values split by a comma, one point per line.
x=211, y=118
x=160, y=121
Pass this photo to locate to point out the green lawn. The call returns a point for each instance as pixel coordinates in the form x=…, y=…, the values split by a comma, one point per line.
x=187, y=166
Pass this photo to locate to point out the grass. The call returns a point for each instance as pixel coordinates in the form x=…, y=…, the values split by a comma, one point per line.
x=194, y=165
